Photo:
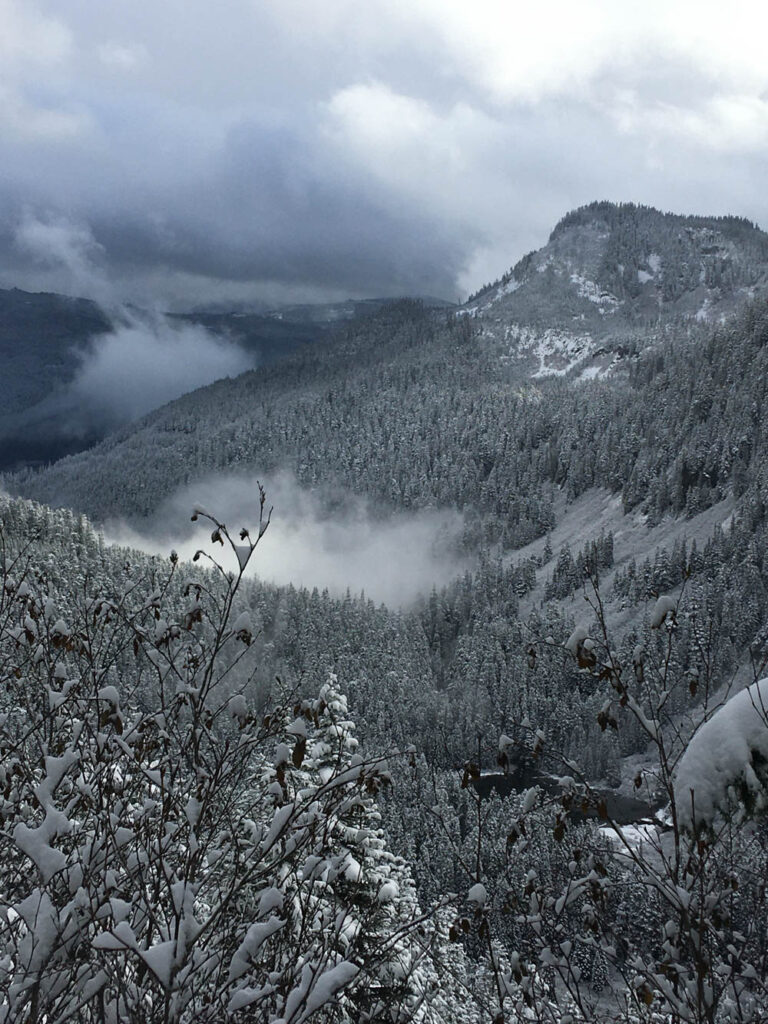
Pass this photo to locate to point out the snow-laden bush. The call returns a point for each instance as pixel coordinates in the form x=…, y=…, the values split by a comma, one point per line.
x=170, y=852
x=661, y=920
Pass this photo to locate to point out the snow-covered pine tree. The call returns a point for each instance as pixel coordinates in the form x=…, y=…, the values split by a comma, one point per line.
x=347, y=905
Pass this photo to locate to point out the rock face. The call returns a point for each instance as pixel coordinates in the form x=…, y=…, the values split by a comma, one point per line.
x=612, y=277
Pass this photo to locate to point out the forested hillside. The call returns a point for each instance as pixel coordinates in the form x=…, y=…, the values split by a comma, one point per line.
x=459, y=685
x=47, y=340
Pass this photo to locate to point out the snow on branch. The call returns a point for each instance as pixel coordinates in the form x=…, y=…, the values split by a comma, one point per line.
x=721, y=760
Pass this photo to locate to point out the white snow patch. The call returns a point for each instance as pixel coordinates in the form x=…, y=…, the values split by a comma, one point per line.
x=530, y=798
x=720, y=755
x=159, y=959
x=545, y=264
x=507, y=289
x=577, y=638
x=591, y=373
x=237, y=706
x=121, y=937
x=270, y=899
x=388, y=892
x=590, y=290
x=242, y=623
x=257, y=934
x=110, y=695
x=477, y=895
x=634, y=836
x=664, y=607
x=705, y=310
x=557, y=351
x=598, y=371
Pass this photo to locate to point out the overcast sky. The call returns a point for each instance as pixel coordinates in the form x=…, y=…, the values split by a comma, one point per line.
x=287, y=150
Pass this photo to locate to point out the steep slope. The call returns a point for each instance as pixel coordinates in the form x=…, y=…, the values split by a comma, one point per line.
x=611, y=277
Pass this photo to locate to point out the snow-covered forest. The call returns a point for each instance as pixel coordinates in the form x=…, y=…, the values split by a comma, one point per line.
x=536, y=792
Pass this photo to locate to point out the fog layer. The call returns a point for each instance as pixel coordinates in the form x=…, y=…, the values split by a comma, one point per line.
x=147, y=361
x=144, y=362
x=392, y=559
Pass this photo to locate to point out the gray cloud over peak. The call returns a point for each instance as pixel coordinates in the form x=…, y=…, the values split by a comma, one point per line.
x=276, y=150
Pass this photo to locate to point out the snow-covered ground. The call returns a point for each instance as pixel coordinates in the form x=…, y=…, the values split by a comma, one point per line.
x=722, y=753
x=634, y=836
x=558, y=352
x=587, y=289
x=599, y=511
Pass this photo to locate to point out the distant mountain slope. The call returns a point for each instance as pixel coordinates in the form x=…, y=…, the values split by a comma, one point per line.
x=352, y=309
x=42, y=337
x=276, y=333
x=612, y=276
x=37, y=334
x=417, y=409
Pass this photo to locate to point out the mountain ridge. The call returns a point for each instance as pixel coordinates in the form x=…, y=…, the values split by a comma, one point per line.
x=612, y=277
x=421, y=409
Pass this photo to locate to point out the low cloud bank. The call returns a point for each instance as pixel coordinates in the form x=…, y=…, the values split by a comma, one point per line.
x=146, y=359
x=392, y=560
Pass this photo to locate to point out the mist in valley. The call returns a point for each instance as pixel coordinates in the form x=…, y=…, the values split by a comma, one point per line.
x=143, y=362
x=392, y=559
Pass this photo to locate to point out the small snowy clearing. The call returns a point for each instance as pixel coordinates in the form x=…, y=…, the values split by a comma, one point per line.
x=590, y=290
x=602, y=367
x=558, y=352
x=634, y=836
x=592, y=373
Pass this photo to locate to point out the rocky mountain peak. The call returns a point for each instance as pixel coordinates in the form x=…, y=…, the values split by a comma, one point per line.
x=612, y=276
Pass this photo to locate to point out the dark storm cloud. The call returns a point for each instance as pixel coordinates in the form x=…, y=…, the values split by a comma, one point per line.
x=274, y=205
x=265, y=151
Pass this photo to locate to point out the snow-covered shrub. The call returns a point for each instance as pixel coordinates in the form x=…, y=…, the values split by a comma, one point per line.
x=171, y=853
x=663, y=920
